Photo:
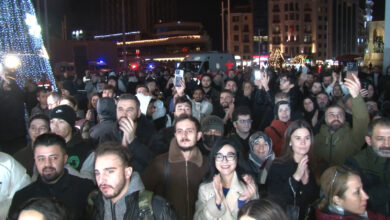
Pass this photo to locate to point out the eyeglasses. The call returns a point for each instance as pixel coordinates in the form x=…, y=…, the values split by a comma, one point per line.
x=220, y=157
x=242, y=121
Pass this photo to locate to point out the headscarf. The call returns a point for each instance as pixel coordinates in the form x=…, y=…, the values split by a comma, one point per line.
x=252, y=141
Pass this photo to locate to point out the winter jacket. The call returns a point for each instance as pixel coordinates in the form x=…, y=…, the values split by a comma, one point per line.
x=71, y=190
x=375, y=173
x=181, y=185
x=25, y=156
x=78, y=150
x=281, y=185
x=206, y=207
x=13, y=177
x=127, y=207
x=330, y=216
x=276, y=132
x=333, y=148
x=140, y=154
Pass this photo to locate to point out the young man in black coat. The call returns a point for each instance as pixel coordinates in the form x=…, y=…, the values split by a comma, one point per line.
x=54, y=181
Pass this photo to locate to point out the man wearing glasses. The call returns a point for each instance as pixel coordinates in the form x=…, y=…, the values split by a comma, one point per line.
x=242, y=122
x=177, y=174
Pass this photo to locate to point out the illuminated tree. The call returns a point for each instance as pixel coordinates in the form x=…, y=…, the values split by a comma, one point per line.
x=20, y=35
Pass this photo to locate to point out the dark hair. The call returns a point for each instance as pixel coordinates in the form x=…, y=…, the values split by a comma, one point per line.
x=70, y=98
x=182, y=99
x=220, y=143
x=50, y=208
x=187, y=117
x=241, y=110
x=49, y=139
x=41, y=90
x=334, y=106
x=115, y=148
x=290, y=77
x=197, y=88
x=227, y=91
x=262, y=209
x=141, y=86
x=128, y=96
x=377, y=122
x=206, y=75
x=229, y=79
x=288, y=152
x=39, y=116
x=109, y=87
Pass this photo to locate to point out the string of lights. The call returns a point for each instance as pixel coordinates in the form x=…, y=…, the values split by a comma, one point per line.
x=20, y=36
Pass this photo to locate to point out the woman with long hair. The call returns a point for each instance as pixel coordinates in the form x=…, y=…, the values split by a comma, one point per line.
x=226, y=187
x=290, y=179
x=344, y=197
x=92, y=115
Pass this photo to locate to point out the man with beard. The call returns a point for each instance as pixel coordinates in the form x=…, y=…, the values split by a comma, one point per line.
x=212, y=129
x=225, y=109
x=210, y=93
x=129, y=129
x=54, y=181
x=337, y=140
x=176, y=175
x=121, y=190
x=373, y=165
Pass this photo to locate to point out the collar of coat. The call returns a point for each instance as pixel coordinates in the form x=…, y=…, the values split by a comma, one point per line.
x=175, y=155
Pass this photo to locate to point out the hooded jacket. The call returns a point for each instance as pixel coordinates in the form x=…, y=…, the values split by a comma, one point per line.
x=183, y=180
x=333, y=148
x=106, y=109
x=127, y=208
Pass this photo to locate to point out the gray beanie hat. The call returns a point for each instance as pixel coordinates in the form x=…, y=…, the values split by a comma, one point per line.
x=106, y=108
x=212, y=122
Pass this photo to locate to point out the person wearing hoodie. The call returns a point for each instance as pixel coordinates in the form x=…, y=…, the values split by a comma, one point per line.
x=121, y=189
x=106, y=110
x=279, y=125
x=261, y=156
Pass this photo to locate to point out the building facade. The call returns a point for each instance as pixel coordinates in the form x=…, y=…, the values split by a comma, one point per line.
x=320, y=29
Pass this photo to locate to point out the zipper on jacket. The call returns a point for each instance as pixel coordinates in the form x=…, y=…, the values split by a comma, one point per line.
x=330, y=149
x=188, y=194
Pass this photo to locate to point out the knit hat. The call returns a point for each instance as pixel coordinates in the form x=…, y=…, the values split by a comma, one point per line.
x=276, y=108
x=106, y=108
x=65, y=113
x=212, y=122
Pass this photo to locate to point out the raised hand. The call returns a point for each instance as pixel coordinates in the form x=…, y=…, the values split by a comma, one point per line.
x=265, y=81
x=353, y=85
x=218, y=189
x=302, y=166
x=180, y=90
x=305, y=177
x=128, y=127
x=250, y=188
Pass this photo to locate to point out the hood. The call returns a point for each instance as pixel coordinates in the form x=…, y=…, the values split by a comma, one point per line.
x=252, y=140
x=144, y=102
x=106, y=109
x=160, y=110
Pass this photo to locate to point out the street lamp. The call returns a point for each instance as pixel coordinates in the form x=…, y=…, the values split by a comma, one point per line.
x=77, y=34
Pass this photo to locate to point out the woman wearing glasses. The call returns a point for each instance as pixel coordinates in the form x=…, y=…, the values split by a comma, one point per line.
x=344, y=197
x=226, y=187
x=290, y=179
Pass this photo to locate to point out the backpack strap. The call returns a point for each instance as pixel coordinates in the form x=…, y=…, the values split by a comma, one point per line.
x=166, y=175
x=276, y=132
x=145, y=205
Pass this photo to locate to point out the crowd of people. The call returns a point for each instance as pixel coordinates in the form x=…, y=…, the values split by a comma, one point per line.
x=292, y=144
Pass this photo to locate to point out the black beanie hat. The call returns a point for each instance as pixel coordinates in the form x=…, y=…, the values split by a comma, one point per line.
x=65, y=113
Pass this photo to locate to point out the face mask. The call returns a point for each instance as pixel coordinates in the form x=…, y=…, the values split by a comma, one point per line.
x=209, y=140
